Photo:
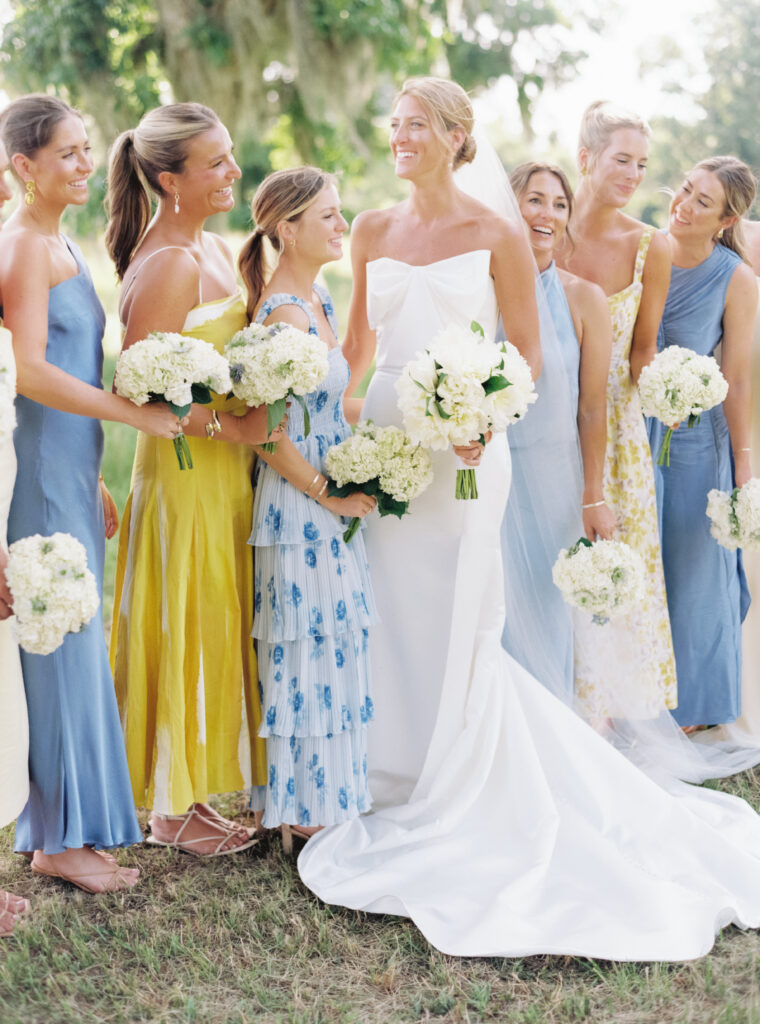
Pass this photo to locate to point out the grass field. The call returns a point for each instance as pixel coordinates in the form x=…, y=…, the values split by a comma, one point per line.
x=239, y=939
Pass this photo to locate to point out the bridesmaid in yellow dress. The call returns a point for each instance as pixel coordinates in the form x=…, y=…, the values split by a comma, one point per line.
x=630, y=262
x=184, y=664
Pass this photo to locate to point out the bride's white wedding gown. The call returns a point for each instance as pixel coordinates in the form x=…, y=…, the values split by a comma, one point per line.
x=504, y=825
x=14, y=777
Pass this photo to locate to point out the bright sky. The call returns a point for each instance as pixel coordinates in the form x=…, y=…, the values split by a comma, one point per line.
x=635, y=30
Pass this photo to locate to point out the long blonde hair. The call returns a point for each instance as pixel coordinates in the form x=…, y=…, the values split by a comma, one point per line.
x=739, y=188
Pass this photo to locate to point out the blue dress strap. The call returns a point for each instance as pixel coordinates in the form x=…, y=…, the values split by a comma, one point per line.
x=283, y=299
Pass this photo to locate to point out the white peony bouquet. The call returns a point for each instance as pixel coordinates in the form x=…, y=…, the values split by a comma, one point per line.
x=605, y=578
x=459, y=389
x=735, y=517
x=270, y=364
x=54, y=593
x=176, y=369
x=381, y=461
x=680, y=385
x=7, y=399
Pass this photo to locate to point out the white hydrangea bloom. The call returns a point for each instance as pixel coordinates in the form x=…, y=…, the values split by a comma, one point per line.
x=269, y=363
x=353, y=461
x=679, y=383
x=735, y=517
x=166, y=365
x=606, y=579
x=54, y=593
x=402, y=468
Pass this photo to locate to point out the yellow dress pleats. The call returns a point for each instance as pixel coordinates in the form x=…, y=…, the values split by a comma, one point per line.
x=183, y=660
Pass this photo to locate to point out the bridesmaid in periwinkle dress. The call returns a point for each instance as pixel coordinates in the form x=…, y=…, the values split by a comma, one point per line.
x=554, y=499
x=630, y=262
x=711, y=301
x=80, y=798
x=313, y=599
x=14, y=751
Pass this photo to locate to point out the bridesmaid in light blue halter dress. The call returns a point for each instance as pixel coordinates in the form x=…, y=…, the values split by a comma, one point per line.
x=544, y=511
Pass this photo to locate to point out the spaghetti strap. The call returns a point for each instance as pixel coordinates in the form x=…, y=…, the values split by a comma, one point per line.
x=164, y=248
x=641, y=254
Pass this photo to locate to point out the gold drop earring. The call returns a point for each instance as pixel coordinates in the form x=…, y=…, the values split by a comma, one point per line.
x=176, y=202
x=30, y=195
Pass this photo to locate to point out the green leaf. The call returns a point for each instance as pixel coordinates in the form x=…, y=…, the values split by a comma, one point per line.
x=178, y=410
x=388, y=506
x=476, y=328
x=496, y=384
x=201, y=394
x=582, y=542
x=275, y=412
x=306, y=420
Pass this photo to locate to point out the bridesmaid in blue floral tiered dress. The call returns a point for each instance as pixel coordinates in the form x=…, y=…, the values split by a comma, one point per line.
x=711, y=301
x=313, y=600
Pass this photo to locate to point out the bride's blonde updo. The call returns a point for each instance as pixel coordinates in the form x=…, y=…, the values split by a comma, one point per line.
x=449, y=107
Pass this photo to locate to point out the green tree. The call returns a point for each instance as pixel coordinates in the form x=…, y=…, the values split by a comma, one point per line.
x=292, y=79
x=726, y=111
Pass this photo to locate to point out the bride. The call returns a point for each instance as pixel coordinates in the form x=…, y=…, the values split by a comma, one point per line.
x=505, y=826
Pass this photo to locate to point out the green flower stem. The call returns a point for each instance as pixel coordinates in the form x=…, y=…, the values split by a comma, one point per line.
x=663, y=459
x=269, y=446
x=182, y=448
x=353, y=526
x=466, y=484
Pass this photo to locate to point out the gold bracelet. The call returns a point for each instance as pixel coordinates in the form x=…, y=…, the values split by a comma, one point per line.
x=321, y=490
x=595, y=504
x=213, y=426
x=309, y=487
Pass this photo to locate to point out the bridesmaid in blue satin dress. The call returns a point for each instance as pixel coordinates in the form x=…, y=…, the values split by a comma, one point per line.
x=80, y=797
x=711, y=302
x=555, y=497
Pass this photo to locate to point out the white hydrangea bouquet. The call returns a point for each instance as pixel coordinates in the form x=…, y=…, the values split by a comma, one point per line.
x=459, y=389
x=54, y=593
x=176, y=369
x=680, y=385
x=735, y=517
x=383, y=462
x=605, y=578
x=7, y=398
x=269, y=364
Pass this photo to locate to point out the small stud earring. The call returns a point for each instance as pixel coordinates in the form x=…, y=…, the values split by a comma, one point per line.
x=176, y=202
x=30, y=195
x=292, y=243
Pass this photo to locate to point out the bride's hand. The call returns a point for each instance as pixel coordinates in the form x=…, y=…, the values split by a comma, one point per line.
x=599, y=523
x=471, y=453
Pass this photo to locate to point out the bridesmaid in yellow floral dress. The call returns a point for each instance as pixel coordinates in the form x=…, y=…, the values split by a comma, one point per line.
x=184, y=665
x=630, y=262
